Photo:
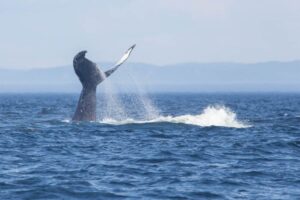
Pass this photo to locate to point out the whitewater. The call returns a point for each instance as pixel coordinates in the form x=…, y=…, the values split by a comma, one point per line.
x=211, y=116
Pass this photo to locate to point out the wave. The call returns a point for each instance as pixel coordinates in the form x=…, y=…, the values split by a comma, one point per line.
x=211, y=116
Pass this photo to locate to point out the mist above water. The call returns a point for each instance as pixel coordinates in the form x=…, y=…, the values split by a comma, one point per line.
x=114, y=103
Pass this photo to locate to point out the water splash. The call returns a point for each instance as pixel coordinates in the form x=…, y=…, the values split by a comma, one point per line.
x=141, y=98
x=211, y=116
x=110, y=105
x=114, y=105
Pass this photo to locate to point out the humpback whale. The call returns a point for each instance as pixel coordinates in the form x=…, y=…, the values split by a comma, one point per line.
x=90, y=76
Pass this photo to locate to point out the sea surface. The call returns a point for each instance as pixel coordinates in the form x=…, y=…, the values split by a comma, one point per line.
x=163, y=146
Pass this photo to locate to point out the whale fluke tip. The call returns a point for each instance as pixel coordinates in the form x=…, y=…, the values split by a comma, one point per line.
x=132, y=46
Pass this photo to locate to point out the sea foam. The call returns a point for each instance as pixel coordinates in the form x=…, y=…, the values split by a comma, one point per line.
x=211, y=116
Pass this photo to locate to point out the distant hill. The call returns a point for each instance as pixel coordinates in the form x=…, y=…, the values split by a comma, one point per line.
x=188, y=77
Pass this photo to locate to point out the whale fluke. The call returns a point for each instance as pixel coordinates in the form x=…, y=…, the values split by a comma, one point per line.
x=120, y=62
x=90, y=76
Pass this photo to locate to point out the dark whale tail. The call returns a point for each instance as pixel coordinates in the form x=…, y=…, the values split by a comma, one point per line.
x=90, y=76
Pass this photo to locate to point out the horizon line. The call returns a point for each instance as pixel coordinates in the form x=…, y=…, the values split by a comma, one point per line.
x=144, y=63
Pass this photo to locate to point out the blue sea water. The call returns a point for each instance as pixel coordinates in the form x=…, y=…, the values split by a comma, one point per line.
x=200, y=146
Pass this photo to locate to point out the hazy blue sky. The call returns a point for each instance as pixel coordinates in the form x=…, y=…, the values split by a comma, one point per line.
x=48, y=33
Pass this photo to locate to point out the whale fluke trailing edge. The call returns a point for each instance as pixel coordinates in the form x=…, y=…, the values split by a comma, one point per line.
x=90, y=76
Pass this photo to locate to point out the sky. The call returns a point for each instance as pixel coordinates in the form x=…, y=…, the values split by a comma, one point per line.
x=48, y=33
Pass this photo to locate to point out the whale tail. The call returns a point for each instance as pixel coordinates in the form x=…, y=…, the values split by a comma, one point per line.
x=89, y=73
x=90, y=76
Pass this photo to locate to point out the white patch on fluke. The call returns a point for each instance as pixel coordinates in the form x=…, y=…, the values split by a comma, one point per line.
x=124, y=57
x=211, y=116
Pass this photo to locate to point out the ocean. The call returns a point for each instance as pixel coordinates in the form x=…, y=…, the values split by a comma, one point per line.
x=159, y=146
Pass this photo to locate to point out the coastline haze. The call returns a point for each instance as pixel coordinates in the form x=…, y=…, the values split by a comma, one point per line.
x=189, y=77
